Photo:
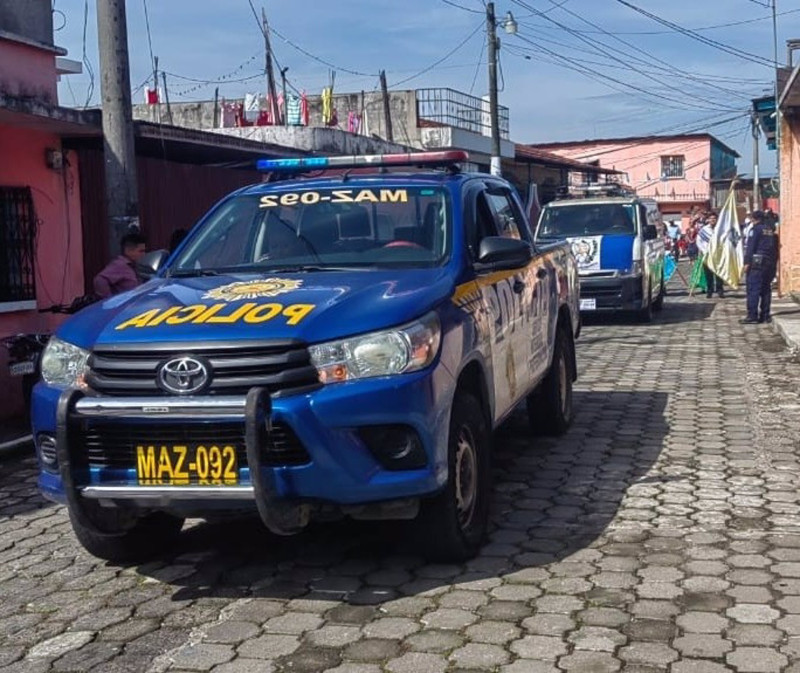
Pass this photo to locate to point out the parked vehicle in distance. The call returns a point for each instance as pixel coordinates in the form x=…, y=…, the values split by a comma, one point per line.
x=617, y=239
x=342, y=345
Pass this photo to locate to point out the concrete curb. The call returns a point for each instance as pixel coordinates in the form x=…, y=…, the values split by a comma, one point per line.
x=786, y=322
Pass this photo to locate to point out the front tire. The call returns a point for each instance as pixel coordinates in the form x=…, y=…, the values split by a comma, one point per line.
x=550, y=405
x=645, y=314
x=452, y=525
x=128, y=539
x=658, y=304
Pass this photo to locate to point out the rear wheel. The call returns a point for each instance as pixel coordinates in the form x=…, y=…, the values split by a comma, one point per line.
x=452, y=525
x=550, y=405
x=658, y=304
x=127, y=538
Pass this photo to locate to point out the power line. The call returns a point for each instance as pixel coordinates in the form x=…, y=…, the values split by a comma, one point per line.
x=149, y=41
x=658, y=60
x=466, y=9
x=477, y=67
x=605, y=52
x=744, y=55
x=441, y=60
x=318, y=58
x=85, y=58
x=667, y=32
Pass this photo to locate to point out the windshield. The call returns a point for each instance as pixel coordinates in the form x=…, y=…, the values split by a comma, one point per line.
x=595, y=219
x=322, y=229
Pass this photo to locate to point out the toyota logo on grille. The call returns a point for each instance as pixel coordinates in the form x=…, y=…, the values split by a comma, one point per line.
x=183, y=376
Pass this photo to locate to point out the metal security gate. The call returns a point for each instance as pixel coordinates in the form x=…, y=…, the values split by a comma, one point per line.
x=17, y=244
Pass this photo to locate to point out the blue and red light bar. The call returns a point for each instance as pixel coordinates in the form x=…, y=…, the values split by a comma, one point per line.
x=363, y=161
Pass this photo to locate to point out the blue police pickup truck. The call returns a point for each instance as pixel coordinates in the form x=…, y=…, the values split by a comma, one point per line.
x=337, y=346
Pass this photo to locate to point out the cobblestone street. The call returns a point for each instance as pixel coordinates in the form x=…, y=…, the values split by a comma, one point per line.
x=662, y=533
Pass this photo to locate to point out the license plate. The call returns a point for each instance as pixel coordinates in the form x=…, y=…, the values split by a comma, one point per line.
x=22, y=368
x=588, y=304
x=177, y=465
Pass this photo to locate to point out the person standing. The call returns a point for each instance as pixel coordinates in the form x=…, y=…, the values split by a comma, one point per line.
x=119, y=275
x=713, y=281
x=760, y=264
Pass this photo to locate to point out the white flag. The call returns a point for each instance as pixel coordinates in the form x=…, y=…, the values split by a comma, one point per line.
x=725, y=255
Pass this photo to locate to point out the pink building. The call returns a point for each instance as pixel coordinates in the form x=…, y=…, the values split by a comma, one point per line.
x=40, y=219
x=674, y=170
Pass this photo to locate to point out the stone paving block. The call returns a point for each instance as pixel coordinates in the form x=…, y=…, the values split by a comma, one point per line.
x=334, y=635
x=231, y=632
x=756, y=660
x=701, y=622
x=480, y=656
x=596, y=638
x=749, y=613
x=590, y=662
x=434, y=641
x=648, y=654
x=529, y=666
x=447, y=618
x=202, y=657
x=417, y=662
x=268, y=647
x=391, y=627
x=697, y=666
x=702, y=645
x=372, y=650
x=545, y=624
x=492, y=632
x=60, y=645
x=539, y=647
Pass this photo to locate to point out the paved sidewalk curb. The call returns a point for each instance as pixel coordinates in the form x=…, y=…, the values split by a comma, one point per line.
x=786, y=321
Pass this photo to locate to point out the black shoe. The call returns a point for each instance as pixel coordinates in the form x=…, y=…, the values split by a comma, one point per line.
x=749, y=321
x=709, y=295
x=768, y=319
x=721, y=294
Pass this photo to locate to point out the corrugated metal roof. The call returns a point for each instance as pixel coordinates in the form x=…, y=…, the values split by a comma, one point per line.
x=531, y=154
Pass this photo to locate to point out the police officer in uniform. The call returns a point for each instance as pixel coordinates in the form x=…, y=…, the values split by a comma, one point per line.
x=760, y=263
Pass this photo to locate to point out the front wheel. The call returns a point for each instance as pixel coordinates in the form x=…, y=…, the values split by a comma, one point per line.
x=128, y=538
x=645, y=314
x=452, y=525
x=550, y=405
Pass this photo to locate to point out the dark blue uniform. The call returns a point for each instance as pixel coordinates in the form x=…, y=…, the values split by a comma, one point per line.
x=761, y=256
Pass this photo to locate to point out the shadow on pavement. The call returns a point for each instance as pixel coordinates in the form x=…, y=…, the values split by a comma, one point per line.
x=552, y=498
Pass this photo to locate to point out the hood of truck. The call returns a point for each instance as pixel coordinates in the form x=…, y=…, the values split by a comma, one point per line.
x=312, y=306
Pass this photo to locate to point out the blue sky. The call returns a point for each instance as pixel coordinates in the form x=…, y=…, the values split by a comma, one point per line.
x=556, y=72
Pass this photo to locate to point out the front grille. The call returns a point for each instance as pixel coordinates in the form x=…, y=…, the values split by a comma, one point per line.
x=113, y=445
x=282, y=367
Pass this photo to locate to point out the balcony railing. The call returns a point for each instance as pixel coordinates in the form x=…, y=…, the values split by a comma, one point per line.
x=448, y=107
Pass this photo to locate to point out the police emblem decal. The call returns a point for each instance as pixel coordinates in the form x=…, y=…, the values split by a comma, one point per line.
x=253, y=289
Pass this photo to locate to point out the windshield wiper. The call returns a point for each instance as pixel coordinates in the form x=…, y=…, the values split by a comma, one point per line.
x=296, y=268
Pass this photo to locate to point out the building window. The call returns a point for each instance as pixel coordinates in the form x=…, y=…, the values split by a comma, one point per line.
x=591, y=178
x=672, y=167
x=17, y=244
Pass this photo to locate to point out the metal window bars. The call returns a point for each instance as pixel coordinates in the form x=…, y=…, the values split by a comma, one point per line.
x=448, y=107
x=17, y=244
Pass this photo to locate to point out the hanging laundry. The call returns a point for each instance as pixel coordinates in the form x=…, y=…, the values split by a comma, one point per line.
x=252, y=106
x=353, y=122
x=293, y=113
x=229, y=114
x=327, y=105
x=152, y=97
x=281, y=109
x=304, y=114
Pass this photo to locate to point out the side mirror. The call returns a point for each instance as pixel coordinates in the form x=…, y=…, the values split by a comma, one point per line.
x=149, y=265
x=649, y=232
x=504, y=253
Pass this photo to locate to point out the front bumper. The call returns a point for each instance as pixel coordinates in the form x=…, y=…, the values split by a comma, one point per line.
x=340, y=468
x=614, y=293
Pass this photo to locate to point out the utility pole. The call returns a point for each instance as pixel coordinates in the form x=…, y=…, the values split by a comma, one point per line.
x=756, y=185
x=491, y=36
x=270, y=72
x=166, y=96
x=387, y=108
x=285, y=98
x=157, y=106
x=119, y=154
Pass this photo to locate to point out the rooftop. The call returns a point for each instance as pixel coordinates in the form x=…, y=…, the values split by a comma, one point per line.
x=639, y=140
